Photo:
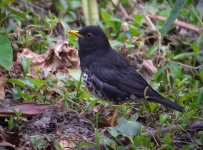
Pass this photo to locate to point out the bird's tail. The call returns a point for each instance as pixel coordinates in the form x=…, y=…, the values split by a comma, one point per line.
x=155, y=97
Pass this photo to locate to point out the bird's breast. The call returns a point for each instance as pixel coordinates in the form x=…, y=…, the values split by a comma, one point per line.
x=91, y=84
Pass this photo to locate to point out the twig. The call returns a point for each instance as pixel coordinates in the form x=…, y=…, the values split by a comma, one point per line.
x=126, y=15
x=75, y=103
x=186, y=66
x=150, y=23
x=151, y=131
x=177, y=23
x=157, y=143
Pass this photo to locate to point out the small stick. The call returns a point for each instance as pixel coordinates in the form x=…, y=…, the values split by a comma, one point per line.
x=126, y=15
x=177, y=23
x=150, y=23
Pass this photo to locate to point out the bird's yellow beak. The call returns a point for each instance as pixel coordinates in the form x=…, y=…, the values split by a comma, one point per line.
x=73, y=32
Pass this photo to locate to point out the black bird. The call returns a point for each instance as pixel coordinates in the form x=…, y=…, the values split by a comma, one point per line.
x=108, y=75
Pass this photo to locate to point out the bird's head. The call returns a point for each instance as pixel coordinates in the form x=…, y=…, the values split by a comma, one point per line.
x=91, y=38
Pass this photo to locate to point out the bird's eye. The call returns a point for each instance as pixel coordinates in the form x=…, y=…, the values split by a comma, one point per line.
x=89, y=35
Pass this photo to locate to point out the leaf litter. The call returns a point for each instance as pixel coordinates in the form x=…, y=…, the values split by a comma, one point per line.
x=57, y=57
x=67, y=127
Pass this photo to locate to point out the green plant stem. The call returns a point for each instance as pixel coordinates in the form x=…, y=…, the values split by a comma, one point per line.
x=196, y=14
x=94, y=13
x=90, y=11
x=79, y=84
x=85, y=11
x=75, y=103
x=97, y=132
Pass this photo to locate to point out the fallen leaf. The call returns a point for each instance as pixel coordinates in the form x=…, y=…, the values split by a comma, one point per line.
x=2, y=85
x=145, y=66
x=126, y=128
x=28, y=109
x=148, y=69
x=67, y=144
x=6, y=144
x=57, y=57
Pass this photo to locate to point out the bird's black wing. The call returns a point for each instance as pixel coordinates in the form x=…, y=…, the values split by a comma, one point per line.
x=124, y=79
x=116, y=80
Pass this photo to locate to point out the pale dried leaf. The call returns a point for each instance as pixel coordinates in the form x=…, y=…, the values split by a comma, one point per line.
x=148, y=69
x=6, y=144
x=57, y=57
x=2, y=85
x=29, y=109
x=97, y=108
x=149, y=66
x=68, y=144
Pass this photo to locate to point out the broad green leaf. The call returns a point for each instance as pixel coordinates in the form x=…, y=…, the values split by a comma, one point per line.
x=17, y=82
x=27, y=82
x=128, y=128
x=142, y=141
x=16, y=93
x=195, y=48
x=173, y=15
x=22, y=82
x=61, y=76
x=75, y=73
x=107, y=141
x=38, y=82
x=138, y=19
x=6, y=52
x=163, y=118
x=199, y=98
x=92, y=103
x=75, y=4
x=200, y=135
x=64, y=4
x=168, y=140
x=18, y=13
x=134, y=30
x=105, y=15
x=89, y=144
x=26, y=96
x=152, y=106
x=26, y=64
x=113, y=131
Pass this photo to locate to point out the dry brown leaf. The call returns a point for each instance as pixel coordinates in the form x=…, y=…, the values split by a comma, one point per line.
x=28, y=109
x=148, y=69
x=6, y=144
x=67, y=144
x=57, y=57
x=149, y=66
x=2, y=85
x=145, y=66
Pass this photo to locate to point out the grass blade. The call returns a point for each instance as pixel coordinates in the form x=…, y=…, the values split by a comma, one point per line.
x=179, y=4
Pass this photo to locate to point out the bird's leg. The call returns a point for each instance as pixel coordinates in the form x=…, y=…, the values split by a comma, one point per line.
x=114, y=117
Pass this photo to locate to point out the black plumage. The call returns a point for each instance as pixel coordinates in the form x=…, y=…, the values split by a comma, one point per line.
x=108, y=74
